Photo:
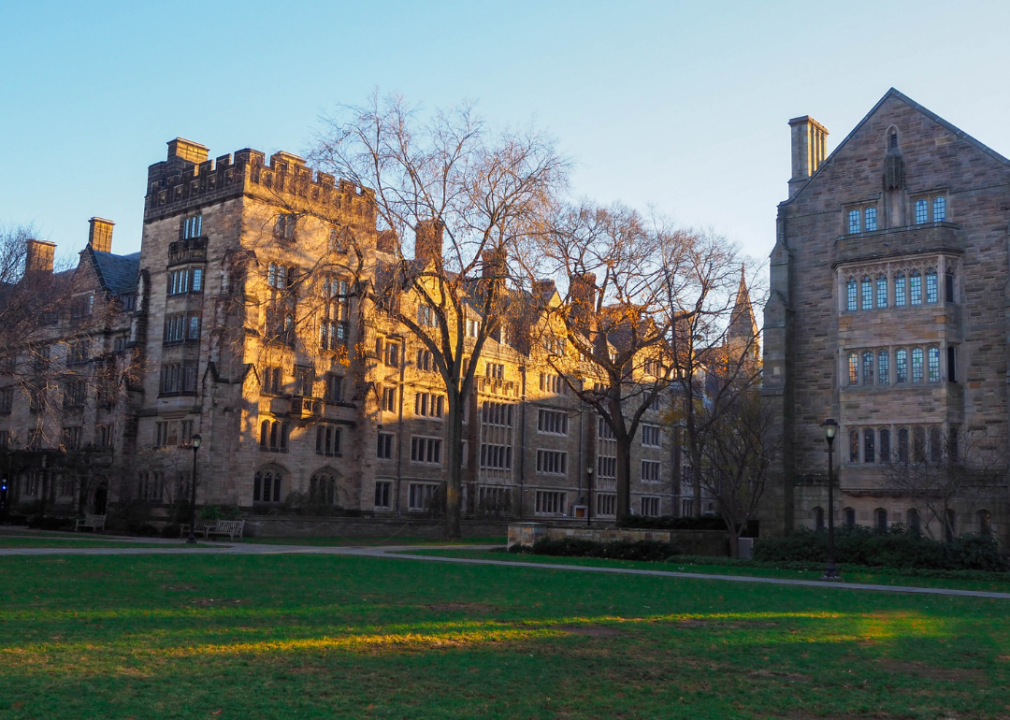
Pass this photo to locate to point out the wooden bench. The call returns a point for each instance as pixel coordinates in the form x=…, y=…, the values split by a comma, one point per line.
x=95, y=522
x=231, y=528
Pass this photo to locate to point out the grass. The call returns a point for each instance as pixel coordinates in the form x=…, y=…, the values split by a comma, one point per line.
x=695, y=564
x=46, y=542
x=313, y=636
x=373, y=542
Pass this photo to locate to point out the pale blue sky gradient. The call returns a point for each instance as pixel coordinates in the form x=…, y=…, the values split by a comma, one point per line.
x=680, y=106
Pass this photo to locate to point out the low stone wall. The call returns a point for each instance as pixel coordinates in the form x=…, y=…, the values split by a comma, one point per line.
x=364, y=527
x=712, y=543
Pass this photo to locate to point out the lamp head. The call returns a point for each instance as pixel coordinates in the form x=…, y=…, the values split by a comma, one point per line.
x=195, y=441
x=589, y=471
x=830, y=428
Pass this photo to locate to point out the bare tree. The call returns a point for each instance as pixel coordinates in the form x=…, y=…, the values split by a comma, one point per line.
x=738, y=453
x=942, y=472
x=466, y=194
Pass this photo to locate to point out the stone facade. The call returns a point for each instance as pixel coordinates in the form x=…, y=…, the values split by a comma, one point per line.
x=245, y=320
x=888, y=313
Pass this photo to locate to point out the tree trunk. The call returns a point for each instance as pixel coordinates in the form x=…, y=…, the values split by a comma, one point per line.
x=696, y=484
x=454, y=480
x=623, y=479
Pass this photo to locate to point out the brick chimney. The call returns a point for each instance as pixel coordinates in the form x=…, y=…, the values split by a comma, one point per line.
x=428, y=241
x=809, y=148
x=583, y=300
x=100, y=234
x=39, y=256
x=494, y=264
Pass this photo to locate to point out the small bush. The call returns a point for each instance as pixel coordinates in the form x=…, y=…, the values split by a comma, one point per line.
x=668, y=522
x=651, y=550
x=48, y=522
x=897, y=548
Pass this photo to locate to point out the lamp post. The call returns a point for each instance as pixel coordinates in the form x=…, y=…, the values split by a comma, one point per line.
x=194, y=443
x=830, y=430
x=589, y=495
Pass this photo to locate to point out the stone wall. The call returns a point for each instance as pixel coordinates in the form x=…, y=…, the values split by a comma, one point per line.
x=712, y=543
x=372, y=528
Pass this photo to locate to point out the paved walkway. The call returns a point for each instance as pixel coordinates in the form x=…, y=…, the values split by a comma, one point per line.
x=403, y=552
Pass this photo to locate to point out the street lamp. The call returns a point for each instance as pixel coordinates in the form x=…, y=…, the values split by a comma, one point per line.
x=194, y=443
x=589, y=495
x=830, y=430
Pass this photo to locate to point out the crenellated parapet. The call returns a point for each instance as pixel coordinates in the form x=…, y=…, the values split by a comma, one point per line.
x=188, y=178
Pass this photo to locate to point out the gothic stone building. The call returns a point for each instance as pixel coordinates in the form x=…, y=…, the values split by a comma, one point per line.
x=889, y=314
x=243, y=320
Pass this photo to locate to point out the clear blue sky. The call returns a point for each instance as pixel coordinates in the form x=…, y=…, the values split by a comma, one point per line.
x=678, y=105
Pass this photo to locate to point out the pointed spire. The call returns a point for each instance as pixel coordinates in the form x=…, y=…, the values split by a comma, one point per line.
x=743, y=327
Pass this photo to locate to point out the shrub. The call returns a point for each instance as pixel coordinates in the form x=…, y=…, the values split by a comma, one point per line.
x=896, y=548
x=622, y=550
x=668, y=522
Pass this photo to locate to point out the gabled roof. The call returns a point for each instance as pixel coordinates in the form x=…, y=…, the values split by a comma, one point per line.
x=893, y=93
x=116, y=273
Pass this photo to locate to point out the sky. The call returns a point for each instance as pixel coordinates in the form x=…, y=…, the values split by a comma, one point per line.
x=675, y=107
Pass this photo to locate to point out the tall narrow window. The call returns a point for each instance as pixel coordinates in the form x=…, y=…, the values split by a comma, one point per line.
x=853, y=221
x=881, y=291
x=952, y=445
x=921, y=212
x=869, y=447
x=933, y=364
x=880, y=519
x=883, y=369
x=948, y=287
x=901, y=366
x=951, y=363
x=885, y=446
x=899, y=290
x=868, y=368
x=867, y=293
x=903, y=445
x=853, y=446
x=850, y=294
x=914, y=523
x=917, y=373
x=919, y=444
x=871, y=219
x=939, y=209
x=935, y=445
x=931, y=290
x=915, y=288
x=853, y=369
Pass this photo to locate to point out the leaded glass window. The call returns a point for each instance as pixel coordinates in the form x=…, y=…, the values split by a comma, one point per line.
x=917, y=365
x=869, y=449
x=939, y=209
x=853, y=221
x=871, y=219
x=885, y=446
x=903, y=445
x=883, y=371
x=901, y=366
x=931, y=292
x=915, y=288
x=933, y=360
x=853, y=369
x=867, y=368
x=867, y=293
x=919, y=445
x=899, y=290
x=921, y=212
x=881, y=291
x=850, y=294
x=853, y=446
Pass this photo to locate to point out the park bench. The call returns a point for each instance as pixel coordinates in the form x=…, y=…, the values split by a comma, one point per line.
x=231, y=528
x=95, y=522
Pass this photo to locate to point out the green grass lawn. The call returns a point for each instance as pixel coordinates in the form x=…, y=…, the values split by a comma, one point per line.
x=78, y=542
x=373, y=542
x=312, y=636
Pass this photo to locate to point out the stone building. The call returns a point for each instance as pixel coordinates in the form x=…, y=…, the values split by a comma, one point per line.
x=888, y=313
x=246, y=318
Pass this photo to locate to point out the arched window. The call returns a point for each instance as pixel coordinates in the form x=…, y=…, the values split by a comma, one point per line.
x=850, y=294
x=948, y=526
x=901, y=365
x=272, y=275
x=871, y=219
x=948, y=287
x=292, y=275
x=323, y=488
x=881, y=291
x=900, y=298
x=853, y=221
x=853, y=369
x=939, y=209
x=885, y=445
x=915, y=288
x=903, y=446
x=914, y=522
x=868, y=367
x=919, y=445
x=818, y=518
x=849, y=516
x=853, y=446
x=267, y=485
x=921, y=212
x=869, y=447
x=274, y=429
x=984, y=522
x=883, y=369
x=931, y=289
x=917, y=369
x=867, y=293
x=264, y=433
x=952, y=445
x=880, y=520
x=933, y=364
x=935, y=445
